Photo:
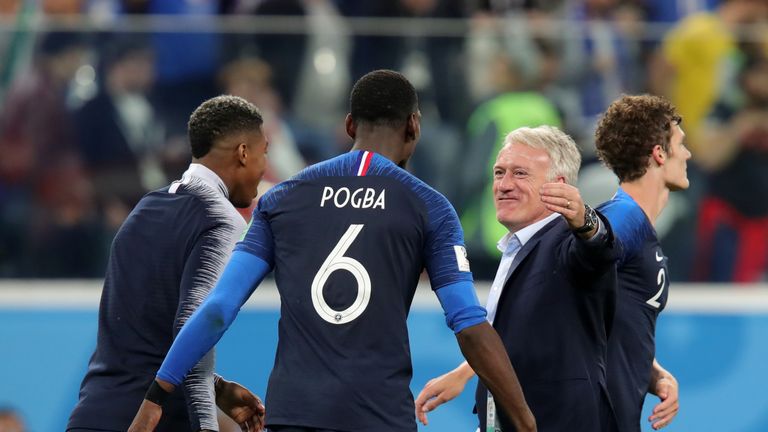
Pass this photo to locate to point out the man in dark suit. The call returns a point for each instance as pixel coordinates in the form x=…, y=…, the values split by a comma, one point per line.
x=553, y=297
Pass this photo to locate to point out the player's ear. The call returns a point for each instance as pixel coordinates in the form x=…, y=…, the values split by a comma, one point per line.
x=242, y=153
x=350, y=126
x=413, y=127
x=659, y=155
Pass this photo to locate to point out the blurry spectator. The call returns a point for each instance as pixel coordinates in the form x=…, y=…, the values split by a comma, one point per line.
x=186, y=61
x=506, y=6
x=514, y=107
x=580, y=65
x=67, y=238
x=62, y=7
x=10, y=421
x=9, y=7
x=321, y=98
x=35, y=121
x=36, y=136
x=436, y=64
x=284, y=53
x=447, y=60
x=698, y=61
x=672, y=11
x=543, y=62
x=607, y=58
x=733, y=219
x=121, y=140
x=12, y=43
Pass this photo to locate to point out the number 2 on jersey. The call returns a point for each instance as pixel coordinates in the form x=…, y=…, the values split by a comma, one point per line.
x=660, y=279
x=337, y=261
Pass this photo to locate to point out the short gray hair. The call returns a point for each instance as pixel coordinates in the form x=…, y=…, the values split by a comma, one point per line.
x=562, y=150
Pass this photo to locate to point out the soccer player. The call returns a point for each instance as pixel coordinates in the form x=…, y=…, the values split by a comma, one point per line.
x=640, y=139
x=347, y=239
x=165, y=259
x=553, y=297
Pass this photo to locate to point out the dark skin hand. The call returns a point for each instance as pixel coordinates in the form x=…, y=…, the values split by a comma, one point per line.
x=485, y=353
x=242, y=406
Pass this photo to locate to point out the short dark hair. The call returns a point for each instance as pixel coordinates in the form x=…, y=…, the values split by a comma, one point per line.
x=629, y=130
x=219, y=117
x=383, y=98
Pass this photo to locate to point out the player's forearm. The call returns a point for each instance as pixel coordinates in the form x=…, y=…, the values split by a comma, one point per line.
x=209, y=322
x=657, y=373
x=200, y=333
x=486, y=355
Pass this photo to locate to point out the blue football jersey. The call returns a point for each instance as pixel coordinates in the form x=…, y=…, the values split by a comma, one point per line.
x=641, y=296
x=164, y=261
x=348, y=239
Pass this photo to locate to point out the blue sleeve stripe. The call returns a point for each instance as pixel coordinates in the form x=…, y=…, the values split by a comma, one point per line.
x=461, y=306
x=205, y=327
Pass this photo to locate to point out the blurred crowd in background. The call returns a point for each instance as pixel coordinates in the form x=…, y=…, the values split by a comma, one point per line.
x=95, y=94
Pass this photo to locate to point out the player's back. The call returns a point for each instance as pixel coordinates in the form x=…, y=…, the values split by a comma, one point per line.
x=351, y=237
x=641, y=296
x=150, y=261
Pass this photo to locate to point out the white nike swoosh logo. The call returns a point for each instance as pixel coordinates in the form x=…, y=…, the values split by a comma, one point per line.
x=659, y=258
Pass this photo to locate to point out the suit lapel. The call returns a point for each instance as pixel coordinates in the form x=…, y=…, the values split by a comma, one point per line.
x=530, y=245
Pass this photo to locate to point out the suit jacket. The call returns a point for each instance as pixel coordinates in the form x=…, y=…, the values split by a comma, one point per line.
x=554, y=316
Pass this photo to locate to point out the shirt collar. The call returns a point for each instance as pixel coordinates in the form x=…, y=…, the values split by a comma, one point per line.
x=525, y=234
x=207, y=176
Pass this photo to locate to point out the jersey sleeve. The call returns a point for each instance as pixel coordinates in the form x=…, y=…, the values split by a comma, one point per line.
x=628, y=224
x=202, y=331
x=258, y=240
x=201, y=269
x=445, y=255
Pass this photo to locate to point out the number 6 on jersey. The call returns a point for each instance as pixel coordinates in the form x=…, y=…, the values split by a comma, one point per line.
x=337, y=261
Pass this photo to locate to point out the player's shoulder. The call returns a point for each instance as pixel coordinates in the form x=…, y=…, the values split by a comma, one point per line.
x=620, y=207
x=428, y=196
x=196, y=206
x=628, y=220
x=340, y=165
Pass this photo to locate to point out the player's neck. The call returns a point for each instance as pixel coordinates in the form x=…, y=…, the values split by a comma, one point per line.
x=220, y=169
x=650, y=193
x=386, y=144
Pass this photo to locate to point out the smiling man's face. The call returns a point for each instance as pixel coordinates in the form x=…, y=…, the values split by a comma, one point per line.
x=518, y=175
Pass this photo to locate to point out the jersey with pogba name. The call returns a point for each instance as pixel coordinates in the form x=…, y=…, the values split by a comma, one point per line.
x=348, y=239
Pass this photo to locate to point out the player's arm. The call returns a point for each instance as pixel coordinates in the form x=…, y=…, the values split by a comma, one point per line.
x=196, y=282
x=450, y=276
x=664, y=385
x=485, y=354
x=201, y=332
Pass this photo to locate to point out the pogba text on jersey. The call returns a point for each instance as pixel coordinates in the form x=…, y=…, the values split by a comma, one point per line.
x=361, y=198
